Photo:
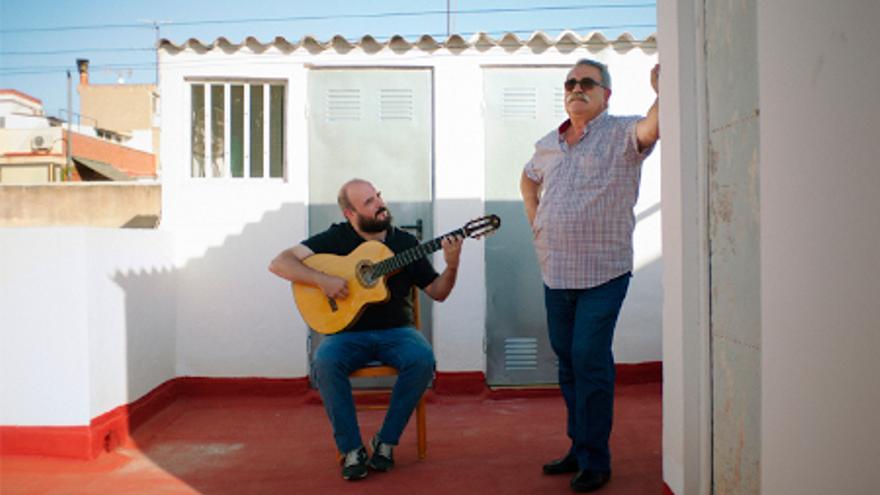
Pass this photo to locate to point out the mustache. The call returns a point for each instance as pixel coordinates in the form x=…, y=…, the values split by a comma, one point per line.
x=380, y=211
x=577, y=97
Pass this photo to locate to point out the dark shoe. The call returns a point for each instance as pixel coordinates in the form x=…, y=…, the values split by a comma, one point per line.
x=568, y=464
x=589, y=481
x=354, y=465
x=383, y=455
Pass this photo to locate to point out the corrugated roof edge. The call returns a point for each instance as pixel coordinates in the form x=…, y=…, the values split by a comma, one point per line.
x=537, y=41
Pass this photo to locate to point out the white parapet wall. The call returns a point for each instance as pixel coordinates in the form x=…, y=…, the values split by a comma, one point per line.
x=88, y=321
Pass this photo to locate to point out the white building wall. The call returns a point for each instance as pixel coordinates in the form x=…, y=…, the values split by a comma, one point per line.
x=44, y=358
x=227, y=230
x=820, y=322
x=87, y=322
x=820, y=234
x=234, y=317
x=132, y=309
x=131, y=286
x=686, y=372
x=459, y=191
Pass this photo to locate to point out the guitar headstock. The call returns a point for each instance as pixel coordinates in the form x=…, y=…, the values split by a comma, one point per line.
x=483, y=226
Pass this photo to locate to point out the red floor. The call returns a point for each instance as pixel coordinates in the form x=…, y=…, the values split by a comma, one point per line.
x=240, y=445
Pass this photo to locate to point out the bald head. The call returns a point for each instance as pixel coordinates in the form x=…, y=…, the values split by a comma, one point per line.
x=343, y=198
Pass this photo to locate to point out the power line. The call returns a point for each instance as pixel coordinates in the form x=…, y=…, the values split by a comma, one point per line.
x=73, y=28
x=75, y=50
x=49, y=69
x=500, y=10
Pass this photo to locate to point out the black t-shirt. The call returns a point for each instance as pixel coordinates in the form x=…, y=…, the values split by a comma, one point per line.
x=341, y=239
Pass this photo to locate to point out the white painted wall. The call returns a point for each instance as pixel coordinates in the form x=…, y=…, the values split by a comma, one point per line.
x=44, y=358
x=820, y=322
x=820, y=238
x=132, y=309
x=227, y=230
x=459, y=322
x=686, y=372
x=14, y=104
x=234, y=317
x=131, y=285
x=87, y=321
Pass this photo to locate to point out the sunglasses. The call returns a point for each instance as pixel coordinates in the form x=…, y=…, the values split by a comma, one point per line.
x=586, y=83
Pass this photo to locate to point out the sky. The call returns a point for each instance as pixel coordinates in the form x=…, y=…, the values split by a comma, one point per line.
x=40, y=40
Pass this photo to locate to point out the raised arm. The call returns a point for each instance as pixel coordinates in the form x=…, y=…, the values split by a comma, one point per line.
x=440, y=288
x=648, y=129
x=289, y=266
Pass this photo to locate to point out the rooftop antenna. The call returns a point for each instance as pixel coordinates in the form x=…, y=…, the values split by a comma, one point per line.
x=120, y=74
x=448, y=18
x=156, y=24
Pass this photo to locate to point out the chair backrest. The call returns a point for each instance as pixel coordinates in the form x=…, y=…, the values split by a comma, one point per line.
x=417, y=317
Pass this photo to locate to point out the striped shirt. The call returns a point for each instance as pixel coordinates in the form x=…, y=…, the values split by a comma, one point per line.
x=584, y=224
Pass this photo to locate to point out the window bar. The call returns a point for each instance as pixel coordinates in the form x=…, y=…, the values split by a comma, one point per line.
x=267, y=111
x=246, y=131
x=227, y=131
x=209, y=136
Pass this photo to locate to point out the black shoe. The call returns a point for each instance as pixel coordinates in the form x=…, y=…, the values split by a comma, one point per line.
x=589, y=481
x=568, y=464
x=383, y=455
x=354, y=465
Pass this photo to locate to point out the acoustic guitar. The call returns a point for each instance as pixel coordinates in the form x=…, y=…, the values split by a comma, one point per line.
x=365, y=270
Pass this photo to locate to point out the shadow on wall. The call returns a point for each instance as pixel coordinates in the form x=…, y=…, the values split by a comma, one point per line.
x=222, y=314
x=219, y=315
x=228, y=316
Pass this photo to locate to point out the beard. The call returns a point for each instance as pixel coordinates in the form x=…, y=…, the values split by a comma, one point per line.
x=374, y=225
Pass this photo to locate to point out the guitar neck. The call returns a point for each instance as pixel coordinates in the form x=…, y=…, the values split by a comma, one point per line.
x=411, y=255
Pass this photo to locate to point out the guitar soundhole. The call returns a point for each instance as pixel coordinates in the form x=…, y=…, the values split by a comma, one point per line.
x=364, y=271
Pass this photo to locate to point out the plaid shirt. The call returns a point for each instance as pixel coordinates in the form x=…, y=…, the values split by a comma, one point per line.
x=584, y=224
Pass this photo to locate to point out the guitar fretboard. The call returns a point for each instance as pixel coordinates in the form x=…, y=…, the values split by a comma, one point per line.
x=404, y=258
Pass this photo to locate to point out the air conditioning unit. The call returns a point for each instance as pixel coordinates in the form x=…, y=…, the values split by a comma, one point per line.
x=41, y=142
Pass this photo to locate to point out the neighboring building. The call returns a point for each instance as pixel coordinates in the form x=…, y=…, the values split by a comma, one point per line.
x=33, y=148
x=122, y=111
x=21, y=111
x=102, y=159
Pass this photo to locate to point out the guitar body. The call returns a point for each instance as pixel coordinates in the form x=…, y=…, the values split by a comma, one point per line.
x=331, y=316
x=364, y=271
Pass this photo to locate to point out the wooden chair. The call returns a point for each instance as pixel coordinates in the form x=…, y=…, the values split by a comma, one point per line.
x=378, y=370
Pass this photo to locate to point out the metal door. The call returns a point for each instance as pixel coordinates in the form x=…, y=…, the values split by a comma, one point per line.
x=373, y=124
x=522, y=105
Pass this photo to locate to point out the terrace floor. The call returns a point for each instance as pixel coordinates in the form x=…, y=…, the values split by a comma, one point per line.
x=492, y=443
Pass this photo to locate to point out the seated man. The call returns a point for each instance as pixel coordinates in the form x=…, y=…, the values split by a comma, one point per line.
x=384, y=331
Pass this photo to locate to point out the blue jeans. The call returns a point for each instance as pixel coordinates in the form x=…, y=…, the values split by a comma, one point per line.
x=581, y=327
x=338, y=355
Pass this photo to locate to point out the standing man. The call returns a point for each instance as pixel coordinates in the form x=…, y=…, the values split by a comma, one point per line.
x=579, y=190
x=384, y=331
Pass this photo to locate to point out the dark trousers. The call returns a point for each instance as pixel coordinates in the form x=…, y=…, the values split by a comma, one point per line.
x=581, y=324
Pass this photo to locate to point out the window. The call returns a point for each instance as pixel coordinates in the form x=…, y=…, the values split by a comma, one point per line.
x=237, y=129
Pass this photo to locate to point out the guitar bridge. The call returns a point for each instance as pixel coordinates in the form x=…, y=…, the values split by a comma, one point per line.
x=333, y=305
